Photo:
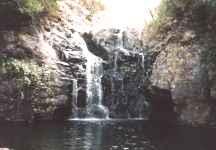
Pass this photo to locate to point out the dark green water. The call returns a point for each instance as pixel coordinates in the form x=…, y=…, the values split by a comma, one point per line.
x=106, y=135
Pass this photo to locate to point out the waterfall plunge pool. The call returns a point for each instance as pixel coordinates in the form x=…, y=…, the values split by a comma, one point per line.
x=106, y=135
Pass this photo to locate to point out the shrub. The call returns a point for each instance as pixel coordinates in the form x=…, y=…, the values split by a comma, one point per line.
x=34, y=7
x=197, y=11
x=28, y=75
x=92, y=6
x=209, y=56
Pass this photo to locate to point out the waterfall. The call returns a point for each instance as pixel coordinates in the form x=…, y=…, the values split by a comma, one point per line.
x=115, y=61
x=94, y=71
x=74, y=95
x=122, y=78
x=75, y=91
x=142, y=60
x=94, y=92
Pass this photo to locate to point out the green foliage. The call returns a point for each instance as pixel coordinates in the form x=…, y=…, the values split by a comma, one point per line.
x=92, y=6
x=164, y=13
x=28, y=75
x=179, y=9
x=34, y=7
x=209, y=56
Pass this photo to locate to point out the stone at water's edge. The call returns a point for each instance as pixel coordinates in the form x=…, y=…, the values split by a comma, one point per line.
x=162, y=106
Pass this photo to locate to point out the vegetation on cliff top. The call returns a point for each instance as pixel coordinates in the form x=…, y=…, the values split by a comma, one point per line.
x=186, y=22
x=92, y=6
x=34, y=7
x=196, y=12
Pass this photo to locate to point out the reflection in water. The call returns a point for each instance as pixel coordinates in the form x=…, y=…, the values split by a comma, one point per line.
x=89, y=138
x=106, y=135
x=83, y=137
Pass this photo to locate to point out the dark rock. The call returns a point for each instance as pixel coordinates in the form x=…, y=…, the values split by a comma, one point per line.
x=11, y=16
x=94, y=47
x=162, y=106
x=62, y=112
x=82, y=103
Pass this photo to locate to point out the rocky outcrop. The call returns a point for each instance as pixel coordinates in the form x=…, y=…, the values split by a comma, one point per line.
x=184, y=36
x=182, y=71
x=54, y=43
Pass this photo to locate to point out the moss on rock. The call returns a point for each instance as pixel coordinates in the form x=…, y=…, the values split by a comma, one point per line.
x=34, y=7
x=32, y=91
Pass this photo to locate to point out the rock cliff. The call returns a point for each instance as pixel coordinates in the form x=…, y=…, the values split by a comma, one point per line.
x=43, y=67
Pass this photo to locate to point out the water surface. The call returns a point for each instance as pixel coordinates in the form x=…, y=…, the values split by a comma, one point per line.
x=106, y=135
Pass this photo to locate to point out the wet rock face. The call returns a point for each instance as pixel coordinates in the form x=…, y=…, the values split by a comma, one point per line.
x=124, y=72
x=123, y=85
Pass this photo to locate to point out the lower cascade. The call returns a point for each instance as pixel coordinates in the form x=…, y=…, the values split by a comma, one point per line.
x=94, y=69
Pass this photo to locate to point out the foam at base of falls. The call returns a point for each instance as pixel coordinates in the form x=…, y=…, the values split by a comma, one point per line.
x=105, y=119
x=98, y=111
x=94, y=71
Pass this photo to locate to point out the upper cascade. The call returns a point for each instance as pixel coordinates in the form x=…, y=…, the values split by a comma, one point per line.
x=107, y=42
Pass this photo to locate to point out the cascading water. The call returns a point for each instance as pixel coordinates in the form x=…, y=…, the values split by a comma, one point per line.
x=94, y=72
x=75, y=91
x=123, y=79
x=94, y=92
